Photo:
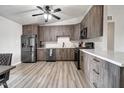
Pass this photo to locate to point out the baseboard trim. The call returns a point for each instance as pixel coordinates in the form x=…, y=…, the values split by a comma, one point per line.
x=16, y=63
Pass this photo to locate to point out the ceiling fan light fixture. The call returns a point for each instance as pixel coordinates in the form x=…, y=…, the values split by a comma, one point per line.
x=48, y=12
x=52, y=10
x=49, y=16
x=45, y=16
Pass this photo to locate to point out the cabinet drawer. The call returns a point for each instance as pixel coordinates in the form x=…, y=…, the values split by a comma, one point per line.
x=98, y=66
x=97, y=72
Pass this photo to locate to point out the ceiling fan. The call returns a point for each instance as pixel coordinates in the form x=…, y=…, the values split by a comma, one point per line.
x=48, y=12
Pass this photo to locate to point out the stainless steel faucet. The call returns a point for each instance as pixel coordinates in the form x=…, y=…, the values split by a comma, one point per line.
x=63, y=45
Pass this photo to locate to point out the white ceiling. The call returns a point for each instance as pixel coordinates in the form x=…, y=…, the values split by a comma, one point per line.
x=23, y=13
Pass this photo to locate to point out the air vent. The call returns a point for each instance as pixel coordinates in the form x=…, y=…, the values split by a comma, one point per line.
x=109, y=18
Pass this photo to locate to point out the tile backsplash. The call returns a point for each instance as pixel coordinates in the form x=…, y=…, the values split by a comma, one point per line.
x=72, y=44
x=59, y=43
x=97, y=41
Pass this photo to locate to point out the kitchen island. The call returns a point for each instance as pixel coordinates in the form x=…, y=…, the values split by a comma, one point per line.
x=102, y=69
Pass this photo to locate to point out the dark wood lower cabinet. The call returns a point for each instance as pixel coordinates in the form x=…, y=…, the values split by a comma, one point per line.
x=65, y=54
x=62, y=54
x=100, y=73
x=41, y=54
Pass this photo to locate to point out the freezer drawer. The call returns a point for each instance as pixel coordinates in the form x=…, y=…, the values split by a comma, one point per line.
x=28, y=57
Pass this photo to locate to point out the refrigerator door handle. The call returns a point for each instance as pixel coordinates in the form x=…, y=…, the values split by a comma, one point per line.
x=30, y=48
x=51, y=52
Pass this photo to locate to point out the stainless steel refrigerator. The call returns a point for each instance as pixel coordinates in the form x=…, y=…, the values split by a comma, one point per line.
x=28, y=48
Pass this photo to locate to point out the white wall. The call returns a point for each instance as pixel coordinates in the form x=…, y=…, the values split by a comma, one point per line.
x=117, y=13
x=104, y=46
x=10, y=33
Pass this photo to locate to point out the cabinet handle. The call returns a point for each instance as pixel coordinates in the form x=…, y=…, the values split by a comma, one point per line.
x=95, y=71
x=96, y=60
x=94, y=84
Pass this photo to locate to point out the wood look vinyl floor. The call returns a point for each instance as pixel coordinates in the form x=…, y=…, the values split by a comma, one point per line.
x=46, y=75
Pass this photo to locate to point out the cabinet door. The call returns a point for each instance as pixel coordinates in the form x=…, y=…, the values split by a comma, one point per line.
x=65, y=30
x=65, y=54
x=89, y=24
x=59, y=31
x=97, y=21
x=41, y=34
x=44, y=34
x=81, y=61
x=111, y=75
x=30, y=29
x=53, y=33
x=71, y=32
x=27, y=29
x=72, y=54
x=58, y=54
x=76, y=34
x=86, y=65
x=41, y=54
x=69, y=54
x=35, y=29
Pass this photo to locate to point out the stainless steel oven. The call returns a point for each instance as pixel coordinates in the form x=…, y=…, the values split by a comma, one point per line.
x=88, y=45
x=77, y=58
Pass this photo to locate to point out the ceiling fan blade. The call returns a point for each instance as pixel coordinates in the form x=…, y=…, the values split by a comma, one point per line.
x=57, y=10
x=56, y=16
x=40, y=8
x=38, y=14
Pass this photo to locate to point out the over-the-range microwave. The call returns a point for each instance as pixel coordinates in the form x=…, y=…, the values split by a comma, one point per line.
x=83, y=33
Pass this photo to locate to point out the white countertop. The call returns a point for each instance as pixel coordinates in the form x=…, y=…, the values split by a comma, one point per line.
x=116, y=58
x=53, y=48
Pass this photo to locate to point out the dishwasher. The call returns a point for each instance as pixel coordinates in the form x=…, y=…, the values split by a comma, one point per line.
x=51, y=55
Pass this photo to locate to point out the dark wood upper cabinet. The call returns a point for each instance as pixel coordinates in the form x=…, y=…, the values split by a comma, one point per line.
x=77, y=29
x=30, y=29
x=50, y=33
x=94, y=21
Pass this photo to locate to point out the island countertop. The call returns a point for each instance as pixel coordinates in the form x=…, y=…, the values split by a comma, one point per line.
x=116, y=58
